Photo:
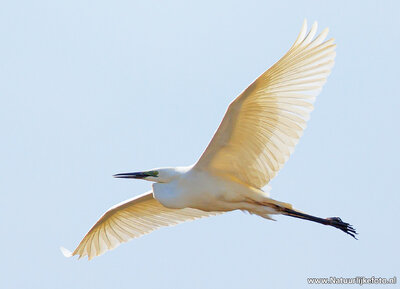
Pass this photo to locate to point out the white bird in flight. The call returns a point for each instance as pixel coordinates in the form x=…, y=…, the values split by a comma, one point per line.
x=256, y=137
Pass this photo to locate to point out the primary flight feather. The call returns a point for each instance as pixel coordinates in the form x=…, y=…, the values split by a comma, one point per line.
x=265, y=122
x=254, y=140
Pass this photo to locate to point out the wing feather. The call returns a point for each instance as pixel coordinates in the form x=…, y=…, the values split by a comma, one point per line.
x=131, y=219
x=264, y=123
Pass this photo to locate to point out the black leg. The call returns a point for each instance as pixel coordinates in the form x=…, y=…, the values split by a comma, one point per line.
x=334, y=221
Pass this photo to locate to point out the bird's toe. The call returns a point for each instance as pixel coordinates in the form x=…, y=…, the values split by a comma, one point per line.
x=345, y=227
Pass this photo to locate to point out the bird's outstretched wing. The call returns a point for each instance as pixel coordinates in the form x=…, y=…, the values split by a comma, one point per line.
x=264, y=123
x=131, y=219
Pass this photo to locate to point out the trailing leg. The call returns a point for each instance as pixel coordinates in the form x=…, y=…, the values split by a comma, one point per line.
x=333, y=221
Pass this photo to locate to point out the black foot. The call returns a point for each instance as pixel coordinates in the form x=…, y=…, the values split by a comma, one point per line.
x=334, y=221
x=345, y=227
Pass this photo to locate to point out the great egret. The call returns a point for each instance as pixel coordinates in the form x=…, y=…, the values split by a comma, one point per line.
x=256, y=137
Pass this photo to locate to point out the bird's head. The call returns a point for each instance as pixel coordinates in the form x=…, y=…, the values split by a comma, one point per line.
x=161, y=175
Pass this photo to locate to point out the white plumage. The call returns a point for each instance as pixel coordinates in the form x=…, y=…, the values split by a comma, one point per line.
x=131, y=219
x=256, y=137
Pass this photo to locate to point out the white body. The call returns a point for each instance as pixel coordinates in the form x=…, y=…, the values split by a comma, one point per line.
x=193, y=188
x=254, y=140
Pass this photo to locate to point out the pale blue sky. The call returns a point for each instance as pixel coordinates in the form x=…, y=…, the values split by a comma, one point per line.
x=93, y=88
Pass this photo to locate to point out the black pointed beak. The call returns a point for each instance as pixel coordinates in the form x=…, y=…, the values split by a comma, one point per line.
x=138, y=175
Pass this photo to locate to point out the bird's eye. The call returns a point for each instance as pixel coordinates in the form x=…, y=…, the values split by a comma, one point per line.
x=151, y=173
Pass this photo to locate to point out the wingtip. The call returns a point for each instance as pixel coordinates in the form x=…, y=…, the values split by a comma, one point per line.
x=315, y=24
x=67, y=253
